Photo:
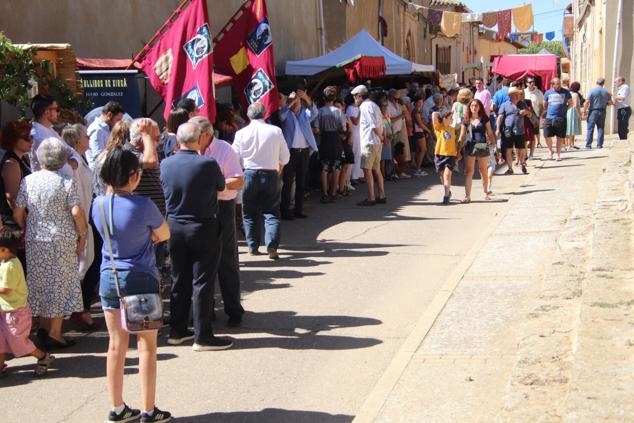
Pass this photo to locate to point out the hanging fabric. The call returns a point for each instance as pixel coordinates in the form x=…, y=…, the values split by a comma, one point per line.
x=472, y=17
x=504, y=24
x=434, y=17
x=523, y=17
x=550, y=35
x=451, y=23
x=489, y=19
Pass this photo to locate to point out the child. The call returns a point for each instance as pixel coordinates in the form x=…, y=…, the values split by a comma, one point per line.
x=15, y=315
x=446, y=149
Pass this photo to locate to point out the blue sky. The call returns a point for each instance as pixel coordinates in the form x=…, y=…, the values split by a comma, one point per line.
x=546, y=22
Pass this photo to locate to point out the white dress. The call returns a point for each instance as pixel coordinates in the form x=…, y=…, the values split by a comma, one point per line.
x=357, y=173
x=51, y=243
x=83, y=180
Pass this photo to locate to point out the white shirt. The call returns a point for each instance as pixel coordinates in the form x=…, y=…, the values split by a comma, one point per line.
x=39, y=133
x=537, y=99
x=623, y=91
x=370, y=117
x=299, y=140
x=98, y=134
x=261, y=146
x=229, y=163
x=394, y=109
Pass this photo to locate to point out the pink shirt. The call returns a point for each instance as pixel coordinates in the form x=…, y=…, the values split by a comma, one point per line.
x=229, y=163
x=485, y=97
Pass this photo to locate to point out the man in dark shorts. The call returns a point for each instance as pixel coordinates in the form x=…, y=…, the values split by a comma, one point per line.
x=556, y=103
x=510, y=127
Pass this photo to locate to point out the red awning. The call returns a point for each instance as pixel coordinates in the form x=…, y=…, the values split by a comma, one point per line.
x=519, y=66
x=365, y=67
x=120, y=64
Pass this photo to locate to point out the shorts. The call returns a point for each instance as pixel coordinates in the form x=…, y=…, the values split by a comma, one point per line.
x=555, y=128
x=130, y=283
x=443, y=162
x=371, y=156
x=348, y=154
x=517, y=141
x=14, y=332
x=328, y=166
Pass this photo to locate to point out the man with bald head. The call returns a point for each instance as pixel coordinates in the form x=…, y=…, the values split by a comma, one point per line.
x=557, y=100
x=264, y=153
x=191, y=183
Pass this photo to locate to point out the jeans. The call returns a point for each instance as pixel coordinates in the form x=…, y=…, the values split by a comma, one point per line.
x=296, y=168
x=595, y=117
x=229, y=270
x=194, y=248
x=130, y=283
x=623, y=118
x=261, y=196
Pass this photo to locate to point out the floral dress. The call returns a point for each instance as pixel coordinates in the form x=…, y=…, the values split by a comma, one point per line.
x=51, y=243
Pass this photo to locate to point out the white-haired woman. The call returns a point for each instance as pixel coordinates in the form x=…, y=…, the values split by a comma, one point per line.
x=76, y=137
x=56, y=229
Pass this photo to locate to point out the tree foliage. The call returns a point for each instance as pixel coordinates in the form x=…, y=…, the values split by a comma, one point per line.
x=18, y=71
x=554, y=47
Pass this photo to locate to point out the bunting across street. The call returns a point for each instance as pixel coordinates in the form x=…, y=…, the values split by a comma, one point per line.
x=244, y=50
x=179, y=59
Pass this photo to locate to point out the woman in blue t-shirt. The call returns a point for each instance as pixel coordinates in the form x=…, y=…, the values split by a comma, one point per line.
x=134, y=224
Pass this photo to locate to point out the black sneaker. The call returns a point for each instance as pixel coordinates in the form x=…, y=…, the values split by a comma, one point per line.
x=127, y=415
x=157, y=416
x=178, y=338
x=215, y=344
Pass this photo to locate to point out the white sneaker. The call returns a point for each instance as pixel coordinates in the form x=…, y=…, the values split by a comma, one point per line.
x=351, y=188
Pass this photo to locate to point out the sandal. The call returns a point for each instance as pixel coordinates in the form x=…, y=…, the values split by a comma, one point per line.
x=366, y=202
x=487, y=197
x=509, y=172
x=54, y=344
x=43, y=364
x=466, y=200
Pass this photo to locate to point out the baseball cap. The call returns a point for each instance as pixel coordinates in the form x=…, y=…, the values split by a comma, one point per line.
x=359, y=89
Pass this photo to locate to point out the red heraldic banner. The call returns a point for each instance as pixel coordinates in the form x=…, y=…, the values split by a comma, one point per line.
x=179, y=62
x=244, y=50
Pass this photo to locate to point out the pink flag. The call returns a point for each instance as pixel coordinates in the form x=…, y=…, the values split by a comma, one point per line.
x=179, y=60
x=244, y=50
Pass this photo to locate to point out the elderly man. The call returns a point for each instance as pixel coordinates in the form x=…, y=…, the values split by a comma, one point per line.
x=229, y=269
x=296, y=116
x=371, y=130
x=510, y=126
x=557, y=100
x=191, y=183
x=99, y=130
x=622, y=104
x=595, y=105
x=264, y=153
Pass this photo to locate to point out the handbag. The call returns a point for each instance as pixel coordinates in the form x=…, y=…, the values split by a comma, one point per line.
x=139, y=312
x=481, y=149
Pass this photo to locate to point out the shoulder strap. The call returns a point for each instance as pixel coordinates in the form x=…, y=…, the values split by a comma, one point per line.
x=106, y=230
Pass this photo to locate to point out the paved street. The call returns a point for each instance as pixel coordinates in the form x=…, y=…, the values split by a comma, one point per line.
x=326, y=321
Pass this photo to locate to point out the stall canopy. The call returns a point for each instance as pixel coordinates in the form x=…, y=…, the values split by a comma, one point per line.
x=518, y=66
x=361, y=45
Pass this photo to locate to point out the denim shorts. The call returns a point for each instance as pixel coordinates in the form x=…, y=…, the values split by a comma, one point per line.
x=130, y=283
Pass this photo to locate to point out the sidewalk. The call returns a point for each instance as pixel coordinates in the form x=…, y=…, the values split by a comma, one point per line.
x=539, y=325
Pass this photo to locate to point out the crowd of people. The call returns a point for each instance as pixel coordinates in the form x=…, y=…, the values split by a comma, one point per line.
x=186, y=191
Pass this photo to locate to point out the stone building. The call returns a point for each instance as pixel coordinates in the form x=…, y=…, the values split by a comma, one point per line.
x=593, y=45
x=301, y=29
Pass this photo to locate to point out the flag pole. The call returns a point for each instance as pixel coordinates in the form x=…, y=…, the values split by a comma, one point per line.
x=241, y=9
x=169, y=21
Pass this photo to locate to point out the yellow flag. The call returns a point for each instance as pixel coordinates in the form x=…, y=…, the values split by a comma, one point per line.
x=239, y=61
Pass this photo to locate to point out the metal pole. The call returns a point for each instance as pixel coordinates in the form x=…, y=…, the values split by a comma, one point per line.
x=617, y=40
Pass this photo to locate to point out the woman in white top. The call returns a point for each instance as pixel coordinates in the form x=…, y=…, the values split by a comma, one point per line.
x=352, y=112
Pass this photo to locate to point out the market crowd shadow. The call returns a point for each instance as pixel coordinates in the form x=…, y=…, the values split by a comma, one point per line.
x=268, y=415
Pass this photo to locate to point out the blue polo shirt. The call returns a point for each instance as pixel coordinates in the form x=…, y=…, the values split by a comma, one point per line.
x=557, y=103
x=501, y=96
x=599, y=98
x=191, y=183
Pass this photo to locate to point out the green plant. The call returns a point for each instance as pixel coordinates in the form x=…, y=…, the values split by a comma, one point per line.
x=554, y=47
x=18, y=70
